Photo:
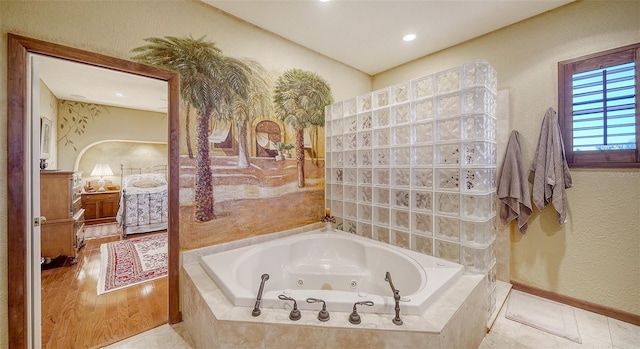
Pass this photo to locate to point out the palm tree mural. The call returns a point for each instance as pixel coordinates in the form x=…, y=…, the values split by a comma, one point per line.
x=256, y=104
x=300, y=97
x=313, y=135
x=208, y=82
x=187, y=117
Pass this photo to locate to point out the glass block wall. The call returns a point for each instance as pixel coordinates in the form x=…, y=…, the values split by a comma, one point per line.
x=414, y=165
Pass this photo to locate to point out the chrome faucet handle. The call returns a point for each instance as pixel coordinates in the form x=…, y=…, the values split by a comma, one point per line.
x=354, y=317
x=295, y=314
x=323, y=315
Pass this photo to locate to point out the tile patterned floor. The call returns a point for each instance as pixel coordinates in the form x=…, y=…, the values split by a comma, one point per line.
x=162, y=337
x=597, y=331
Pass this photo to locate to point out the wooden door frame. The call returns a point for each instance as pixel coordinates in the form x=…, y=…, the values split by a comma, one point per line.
x=18, y=163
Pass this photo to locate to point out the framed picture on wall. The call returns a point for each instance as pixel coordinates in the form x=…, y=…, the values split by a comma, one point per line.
x=45, y=138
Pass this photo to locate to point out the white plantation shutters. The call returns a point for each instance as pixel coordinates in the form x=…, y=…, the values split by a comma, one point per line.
x=604, y=108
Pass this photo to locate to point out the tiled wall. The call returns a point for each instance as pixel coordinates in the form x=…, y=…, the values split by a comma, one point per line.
x=414, y=165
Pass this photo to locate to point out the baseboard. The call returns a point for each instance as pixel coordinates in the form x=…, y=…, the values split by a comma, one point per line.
x=578, y=303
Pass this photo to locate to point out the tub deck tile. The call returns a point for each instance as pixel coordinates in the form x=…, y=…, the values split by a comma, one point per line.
x=215, y=320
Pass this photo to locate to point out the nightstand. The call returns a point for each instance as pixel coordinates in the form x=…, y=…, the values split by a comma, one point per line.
x=100, y=207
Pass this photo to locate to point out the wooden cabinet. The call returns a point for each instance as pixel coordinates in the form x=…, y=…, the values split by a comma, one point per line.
x=100, y=207
x=62, y=233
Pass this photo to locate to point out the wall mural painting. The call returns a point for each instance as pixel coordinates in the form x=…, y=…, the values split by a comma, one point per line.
x=75, y=117
x=300, y=97
x=236, y=179
x=268, y=141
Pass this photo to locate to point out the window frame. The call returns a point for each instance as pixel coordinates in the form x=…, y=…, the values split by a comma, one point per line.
x=619, y=158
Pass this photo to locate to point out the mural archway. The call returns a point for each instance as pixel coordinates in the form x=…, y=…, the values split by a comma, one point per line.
x=268, y=133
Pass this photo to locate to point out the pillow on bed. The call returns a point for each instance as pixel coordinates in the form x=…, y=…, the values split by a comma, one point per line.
x=131, y=179
x=145, y=183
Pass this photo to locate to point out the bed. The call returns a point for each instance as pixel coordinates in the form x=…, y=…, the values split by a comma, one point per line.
x=143, y=201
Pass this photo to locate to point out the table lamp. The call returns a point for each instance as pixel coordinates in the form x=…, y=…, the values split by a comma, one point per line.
x=101, y=170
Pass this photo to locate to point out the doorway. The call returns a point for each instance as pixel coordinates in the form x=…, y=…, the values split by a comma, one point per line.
x=267, y=135
x=21, y=300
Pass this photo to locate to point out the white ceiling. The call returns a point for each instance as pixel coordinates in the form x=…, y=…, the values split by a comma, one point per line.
x=367, y=34
x=79, y=82
x=364, y=34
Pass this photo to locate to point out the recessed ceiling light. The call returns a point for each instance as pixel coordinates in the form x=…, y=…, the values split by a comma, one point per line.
x=119, y=94
x=325, y=0
x=409, y=37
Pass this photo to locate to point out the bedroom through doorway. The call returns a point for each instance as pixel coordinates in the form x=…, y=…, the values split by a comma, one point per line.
x=107, y=293
x=70, y=294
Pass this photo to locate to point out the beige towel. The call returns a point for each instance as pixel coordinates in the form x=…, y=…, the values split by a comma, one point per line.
x=552, y=175
x=513, y=187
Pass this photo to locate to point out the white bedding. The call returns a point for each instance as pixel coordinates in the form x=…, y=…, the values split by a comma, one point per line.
x=136, y=190
x=143, y=209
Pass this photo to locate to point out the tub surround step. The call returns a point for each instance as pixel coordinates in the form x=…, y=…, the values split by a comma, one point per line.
x=456, y=319
x=326, y=275
x=502, y=293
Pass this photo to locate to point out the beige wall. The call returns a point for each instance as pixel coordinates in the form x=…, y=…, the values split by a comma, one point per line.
x=113, y=123
x=115, y=28
x=130, y=154
x=595, y=256
x=49, y=110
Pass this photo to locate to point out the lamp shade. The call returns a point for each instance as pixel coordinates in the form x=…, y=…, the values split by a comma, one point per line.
x=102, y=169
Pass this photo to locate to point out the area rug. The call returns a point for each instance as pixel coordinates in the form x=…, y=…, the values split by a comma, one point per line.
x=130, y=262
x=552, y=317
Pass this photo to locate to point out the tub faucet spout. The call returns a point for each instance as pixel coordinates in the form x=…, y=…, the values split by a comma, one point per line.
x=396, y=298
x=387, y=278
x=256, y=308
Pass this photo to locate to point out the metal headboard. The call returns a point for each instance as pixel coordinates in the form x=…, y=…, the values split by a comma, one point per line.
x=125, y=171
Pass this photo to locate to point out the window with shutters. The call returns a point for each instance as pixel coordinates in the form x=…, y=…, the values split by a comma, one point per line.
x=597, y=108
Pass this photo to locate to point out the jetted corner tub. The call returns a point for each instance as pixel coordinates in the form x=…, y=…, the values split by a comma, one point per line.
x=338, y=267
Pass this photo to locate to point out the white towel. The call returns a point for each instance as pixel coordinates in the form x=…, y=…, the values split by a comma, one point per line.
x=552, y=175
x=513, y=187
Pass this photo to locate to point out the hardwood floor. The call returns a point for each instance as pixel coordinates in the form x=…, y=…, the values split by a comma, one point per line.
x=100, y=230
x=74, y=316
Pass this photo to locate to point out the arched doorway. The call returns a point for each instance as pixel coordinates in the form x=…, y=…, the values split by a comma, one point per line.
x=267, y=135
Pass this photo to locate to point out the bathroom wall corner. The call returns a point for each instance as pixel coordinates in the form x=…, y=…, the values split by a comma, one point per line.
x=503, y=242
